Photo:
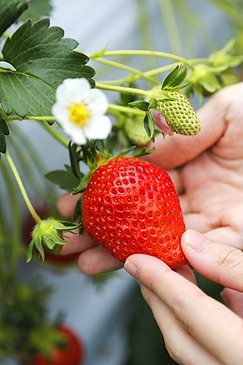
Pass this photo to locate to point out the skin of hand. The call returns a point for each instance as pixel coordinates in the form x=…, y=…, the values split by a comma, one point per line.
x=197, y=329
x=207, y=170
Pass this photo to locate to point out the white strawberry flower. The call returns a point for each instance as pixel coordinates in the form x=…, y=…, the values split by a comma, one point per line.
x=80, y=110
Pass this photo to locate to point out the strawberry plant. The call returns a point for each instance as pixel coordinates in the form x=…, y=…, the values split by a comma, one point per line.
x=126, y=205
x=71, y=351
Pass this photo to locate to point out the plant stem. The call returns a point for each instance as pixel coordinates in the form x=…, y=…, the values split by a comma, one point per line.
x=148, y=53
x=22, y=188
x=124, y=109
x=16, y=227
x=122, y=89
x=133, y=71
x=32, y=166
x=41, y=118
x=55, y=134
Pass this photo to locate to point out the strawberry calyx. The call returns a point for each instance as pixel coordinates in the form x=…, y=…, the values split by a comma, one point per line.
x=48, y=235
x=168, y=110
x=85, y=179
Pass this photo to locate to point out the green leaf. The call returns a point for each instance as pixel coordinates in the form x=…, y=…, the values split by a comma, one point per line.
x=149, y=126
x=4, y=126
x=179, y=78
x=42, y=59
x=3, y=144
x=169, y=78
x=82, y=184
x=140, y=104
x=65, y=179
x=174, y=78
x=36, y=10
x=74, y=156
x=10, y=10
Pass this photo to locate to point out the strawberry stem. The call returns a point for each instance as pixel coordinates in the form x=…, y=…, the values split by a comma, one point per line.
x=22, y=188
x=122, y=89
x=147, y=53
x=55, y=134
x=122, y=66
x=124, y=109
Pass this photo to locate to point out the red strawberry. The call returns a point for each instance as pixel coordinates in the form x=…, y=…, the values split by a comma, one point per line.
x=131, y=206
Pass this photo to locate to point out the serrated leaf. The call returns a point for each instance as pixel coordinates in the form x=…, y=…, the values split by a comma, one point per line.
x=3, y=144
x=10, y=10
x=63, y=178
x=42, y=59
x=36, y=10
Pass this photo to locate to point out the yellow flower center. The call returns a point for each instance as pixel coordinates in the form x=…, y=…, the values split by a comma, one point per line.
x=79, y=114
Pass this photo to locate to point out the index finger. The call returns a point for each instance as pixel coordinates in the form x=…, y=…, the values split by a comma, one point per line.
x=212, y=324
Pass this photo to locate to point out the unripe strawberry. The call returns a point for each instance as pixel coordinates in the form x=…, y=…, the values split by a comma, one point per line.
x=135, y=131
x=179, y=113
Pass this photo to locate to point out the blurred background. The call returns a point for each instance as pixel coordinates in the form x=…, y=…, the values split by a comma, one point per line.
x=107, y=312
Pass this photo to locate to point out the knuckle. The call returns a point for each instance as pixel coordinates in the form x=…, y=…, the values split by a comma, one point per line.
x=230, y=263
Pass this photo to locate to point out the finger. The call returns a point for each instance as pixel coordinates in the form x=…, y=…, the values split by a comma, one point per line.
x=218, y=262
x=234, y=300
x=97, y=260
x=182, y=347
x=227, y=236
x=77, y=243
x=174, y=151
x=66, y=204
x=197, y=221
x=211, y=324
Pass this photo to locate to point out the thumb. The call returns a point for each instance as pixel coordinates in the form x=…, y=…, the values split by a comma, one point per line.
x=217, y=262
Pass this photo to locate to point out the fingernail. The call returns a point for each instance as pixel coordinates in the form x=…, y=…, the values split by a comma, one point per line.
x=195, y=240
x=131, y=269
x=225, y=298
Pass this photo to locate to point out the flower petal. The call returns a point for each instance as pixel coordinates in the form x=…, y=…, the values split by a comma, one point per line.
x=98, y=128
x=78, y=91
x=160, y=122
x=72, y=90
x=76, y=133
x=97, y=102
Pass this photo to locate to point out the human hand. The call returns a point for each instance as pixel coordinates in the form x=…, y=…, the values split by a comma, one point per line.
x=93, y=259
x=209, y=183
x=210, y=180
x=196, y=328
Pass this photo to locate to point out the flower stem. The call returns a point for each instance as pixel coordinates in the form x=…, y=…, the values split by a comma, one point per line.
x=41, y=118
x=132, y=70
x=55, y=134
x=22, y=188
x=16, y=226
x=124, y=109
x=148, y=53
x=122, y=89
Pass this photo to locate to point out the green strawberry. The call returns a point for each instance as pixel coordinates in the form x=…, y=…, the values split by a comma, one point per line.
x=131, y=206
x=178, y=113
x=135, y=131
x=47, y=235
